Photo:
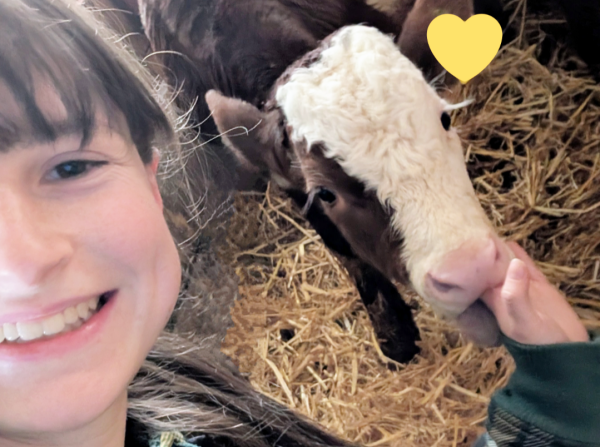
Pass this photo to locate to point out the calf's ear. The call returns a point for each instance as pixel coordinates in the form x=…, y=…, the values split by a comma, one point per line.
x=241, y=126
x=258, y=139
x=243, y=129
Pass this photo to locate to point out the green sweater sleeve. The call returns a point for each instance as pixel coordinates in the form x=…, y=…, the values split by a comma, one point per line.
x=551, y=400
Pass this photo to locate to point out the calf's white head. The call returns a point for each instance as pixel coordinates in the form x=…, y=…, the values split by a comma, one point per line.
x=356, y=125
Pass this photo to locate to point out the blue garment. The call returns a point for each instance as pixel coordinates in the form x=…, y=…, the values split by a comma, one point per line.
x=171, y=439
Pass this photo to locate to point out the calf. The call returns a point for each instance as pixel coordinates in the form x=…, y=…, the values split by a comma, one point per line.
x=241, y=48
x=357, y=125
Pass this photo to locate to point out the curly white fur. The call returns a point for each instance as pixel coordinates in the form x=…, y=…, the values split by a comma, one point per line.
x=377, y=115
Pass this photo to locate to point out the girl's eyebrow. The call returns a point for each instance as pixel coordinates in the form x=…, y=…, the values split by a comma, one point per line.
x=67, y=129
x=60, y=130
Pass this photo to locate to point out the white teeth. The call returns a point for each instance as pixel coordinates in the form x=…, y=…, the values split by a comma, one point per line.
x=93, y=303
x=83, y=310
x=68, y=320
x=10, y=331
x=70, y=315
x=30, y=330
x=53, y=325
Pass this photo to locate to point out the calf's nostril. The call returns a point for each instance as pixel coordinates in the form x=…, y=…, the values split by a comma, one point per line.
x=441, y=286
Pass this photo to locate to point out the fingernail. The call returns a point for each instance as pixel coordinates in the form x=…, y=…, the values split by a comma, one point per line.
x=516, y=270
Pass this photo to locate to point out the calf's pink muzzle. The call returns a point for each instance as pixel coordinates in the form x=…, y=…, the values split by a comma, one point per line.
x=458, y=281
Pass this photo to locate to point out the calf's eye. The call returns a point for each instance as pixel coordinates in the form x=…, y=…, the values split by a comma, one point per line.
x=326, y=195
x=446, y=120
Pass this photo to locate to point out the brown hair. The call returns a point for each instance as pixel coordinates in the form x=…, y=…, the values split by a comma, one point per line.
x=50, y=40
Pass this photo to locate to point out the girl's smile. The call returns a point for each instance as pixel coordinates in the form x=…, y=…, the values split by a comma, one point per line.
x=51, y=320
x=55, y=335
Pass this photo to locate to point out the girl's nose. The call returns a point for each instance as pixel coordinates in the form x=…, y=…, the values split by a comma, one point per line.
x=32, y=246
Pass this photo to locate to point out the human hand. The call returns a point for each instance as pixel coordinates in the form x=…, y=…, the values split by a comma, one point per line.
x=529, y=309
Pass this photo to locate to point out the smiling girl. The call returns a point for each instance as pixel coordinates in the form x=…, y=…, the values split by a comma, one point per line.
x=90, y=273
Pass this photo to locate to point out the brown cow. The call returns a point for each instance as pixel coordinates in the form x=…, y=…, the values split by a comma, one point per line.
x=241, y=48
x=376, y=152
x=447, y=269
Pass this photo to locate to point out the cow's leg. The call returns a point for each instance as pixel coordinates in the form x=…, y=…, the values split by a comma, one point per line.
x=390, y=316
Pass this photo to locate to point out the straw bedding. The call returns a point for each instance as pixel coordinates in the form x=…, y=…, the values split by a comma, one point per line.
x=532, y=140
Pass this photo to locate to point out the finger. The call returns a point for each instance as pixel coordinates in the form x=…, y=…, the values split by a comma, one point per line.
x=523, y=323
x=521, y=254
x=510, y=301
x=515, y=294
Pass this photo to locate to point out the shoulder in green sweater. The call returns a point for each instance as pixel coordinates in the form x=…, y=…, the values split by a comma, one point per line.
x=551, y=400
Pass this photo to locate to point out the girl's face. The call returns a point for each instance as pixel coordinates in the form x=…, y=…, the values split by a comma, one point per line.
x=89, y=274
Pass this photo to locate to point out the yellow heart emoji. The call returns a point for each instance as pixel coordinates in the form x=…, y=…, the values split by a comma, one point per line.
x=464, y=49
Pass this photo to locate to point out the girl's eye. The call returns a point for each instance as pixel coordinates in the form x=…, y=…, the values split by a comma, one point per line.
x=74, y=168
x=446, y=120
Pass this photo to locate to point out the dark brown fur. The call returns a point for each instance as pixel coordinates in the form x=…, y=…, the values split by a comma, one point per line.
x=241, y=48
x=367, y=258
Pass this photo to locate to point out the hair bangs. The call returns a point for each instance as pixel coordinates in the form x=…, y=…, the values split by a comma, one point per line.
x=45, y=43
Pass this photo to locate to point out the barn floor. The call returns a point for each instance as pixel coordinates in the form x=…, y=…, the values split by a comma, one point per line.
x=532, y=141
